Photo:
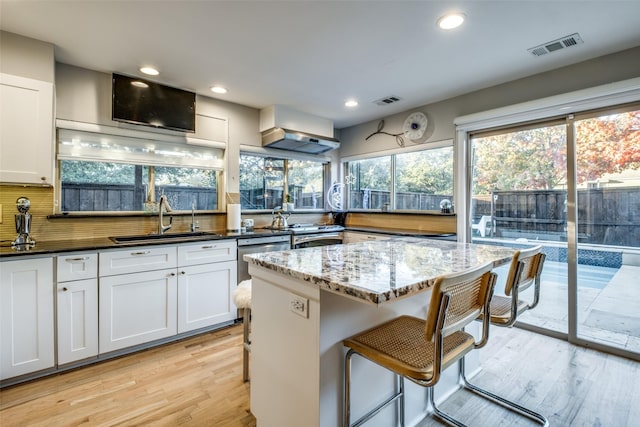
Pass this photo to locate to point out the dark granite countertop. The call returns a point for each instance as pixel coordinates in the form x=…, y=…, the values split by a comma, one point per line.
x=92, y=244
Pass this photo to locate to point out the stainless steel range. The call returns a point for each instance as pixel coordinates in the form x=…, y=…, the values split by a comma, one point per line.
x=309, y=235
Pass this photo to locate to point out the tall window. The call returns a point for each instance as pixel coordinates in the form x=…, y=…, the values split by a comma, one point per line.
x=410, y=181
x=103, y=173
x=268, y=182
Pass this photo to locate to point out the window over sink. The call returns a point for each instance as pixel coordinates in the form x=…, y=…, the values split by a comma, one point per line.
x=105, y=173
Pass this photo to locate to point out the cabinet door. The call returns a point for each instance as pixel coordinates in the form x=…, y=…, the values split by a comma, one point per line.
x=137, y=308
x=26, y=134
x=205, y=295
x=77, y=320
x=26, y=316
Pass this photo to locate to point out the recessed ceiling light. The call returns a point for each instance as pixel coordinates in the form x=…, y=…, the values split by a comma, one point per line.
x=150, y=71
x=451, y=21
x=218, y=89
x=351, y=103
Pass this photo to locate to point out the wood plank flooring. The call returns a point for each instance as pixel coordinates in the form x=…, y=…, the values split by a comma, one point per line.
x=198, y=382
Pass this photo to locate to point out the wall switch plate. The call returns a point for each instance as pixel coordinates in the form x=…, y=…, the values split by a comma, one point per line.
x=299, y=305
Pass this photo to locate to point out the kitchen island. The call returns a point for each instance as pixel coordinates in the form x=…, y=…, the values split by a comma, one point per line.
x=306, y=301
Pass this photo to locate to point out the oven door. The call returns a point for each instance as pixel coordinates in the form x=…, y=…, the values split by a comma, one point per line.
x=320, y=239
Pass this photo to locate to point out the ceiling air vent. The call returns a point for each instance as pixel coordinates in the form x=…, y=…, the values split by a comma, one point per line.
x=559, y=44
x=387, y=100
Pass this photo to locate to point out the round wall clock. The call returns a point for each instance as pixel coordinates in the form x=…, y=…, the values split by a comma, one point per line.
x=415, y=125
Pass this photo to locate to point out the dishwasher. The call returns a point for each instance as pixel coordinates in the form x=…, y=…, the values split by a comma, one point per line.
x=254, y=245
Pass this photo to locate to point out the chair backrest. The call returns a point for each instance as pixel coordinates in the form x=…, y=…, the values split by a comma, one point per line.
x=466, y=295
x=525, y=269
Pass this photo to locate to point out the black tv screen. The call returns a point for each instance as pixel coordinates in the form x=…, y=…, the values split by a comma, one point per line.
x=151, y=104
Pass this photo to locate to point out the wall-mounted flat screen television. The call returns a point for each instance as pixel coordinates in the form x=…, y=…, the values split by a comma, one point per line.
x=147, y=103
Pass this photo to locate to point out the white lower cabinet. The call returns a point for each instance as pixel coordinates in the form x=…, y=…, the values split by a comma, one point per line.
x=77, y=309
x=205, y=295
x=77, y=320
x=137, y=308
x=26, y=316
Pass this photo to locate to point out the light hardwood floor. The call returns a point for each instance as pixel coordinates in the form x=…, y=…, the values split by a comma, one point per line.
x=198, y=382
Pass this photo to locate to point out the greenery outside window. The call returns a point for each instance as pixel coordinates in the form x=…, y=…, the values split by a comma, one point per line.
x=268, y=182
x=408, y=181
x=102, y=173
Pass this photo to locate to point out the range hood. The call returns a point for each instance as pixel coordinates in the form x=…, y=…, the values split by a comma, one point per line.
x=301, y=142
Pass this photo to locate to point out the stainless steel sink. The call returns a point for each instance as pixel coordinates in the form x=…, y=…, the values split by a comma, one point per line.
x=169, y=237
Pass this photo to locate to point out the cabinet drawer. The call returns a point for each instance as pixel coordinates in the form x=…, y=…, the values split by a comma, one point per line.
x=77, y=266
x=137, y=259
x=206, y=252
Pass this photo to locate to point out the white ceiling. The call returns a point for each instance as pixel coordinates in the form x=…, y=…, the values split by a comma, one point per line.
x=313, y=55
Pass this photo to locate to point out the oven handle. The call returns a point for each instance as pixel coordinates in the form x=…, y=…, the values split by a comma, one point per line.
x=315, y=237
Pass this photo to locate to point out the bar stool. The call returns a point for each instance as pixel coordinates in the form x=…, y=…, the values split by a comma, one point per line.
x=525, y=270
x=420, y=350
x=242, y=299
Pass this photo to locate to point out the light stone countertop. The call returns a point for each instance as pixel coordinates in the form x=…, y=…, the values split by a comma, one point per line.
x=380, y=271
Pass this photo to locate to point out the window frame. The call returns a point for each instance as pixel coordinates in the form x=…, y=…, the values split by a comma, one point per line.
x=95, y=133
x=393, y=153
x=286, y=156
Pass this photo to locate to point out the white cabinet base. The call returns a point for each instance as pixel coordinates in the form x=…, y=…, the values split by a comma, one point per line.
x=205, y=295
x=77, y=320
x=26, y=316
x=137, y=308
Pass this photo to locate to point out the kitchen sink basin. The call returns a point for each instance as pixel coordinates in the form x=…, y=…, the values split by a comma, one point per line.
x=162, y=237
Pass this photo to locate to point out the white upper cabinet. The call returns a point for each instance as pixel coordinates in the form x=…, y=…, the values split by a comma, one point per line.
x=26, y=130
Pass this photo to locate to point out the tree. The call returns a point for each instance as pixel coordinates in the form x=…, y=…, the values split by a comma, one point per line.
x=608, y=144
x=536, y=158
x=428, y=172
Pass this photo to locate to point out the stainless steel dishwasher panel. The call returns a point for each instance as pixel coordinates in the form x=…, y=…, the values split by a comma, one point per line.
x=254, y=245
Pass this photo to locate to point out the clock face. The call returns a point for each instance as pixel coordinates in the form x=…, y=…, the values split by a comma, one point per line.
x=415, y=125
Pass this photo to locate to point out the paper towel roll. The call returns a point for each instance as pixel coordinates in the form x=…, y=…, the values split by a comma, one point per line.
x=233, y=218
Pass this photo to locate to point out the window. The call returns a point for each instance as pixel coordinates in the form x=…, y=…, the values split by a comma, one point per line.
x=263, y=181
x=412, y=181
x=106, y=173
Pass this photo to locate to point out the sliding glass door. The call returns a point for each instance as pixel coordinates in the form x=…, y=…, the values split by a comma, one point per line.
x=608, y=226
x=571, y=185
x=519, y=199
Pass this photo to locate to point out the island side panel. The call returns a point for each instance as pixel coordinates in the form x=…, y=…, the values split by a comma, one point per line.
x=297, y=364
x=284, y=360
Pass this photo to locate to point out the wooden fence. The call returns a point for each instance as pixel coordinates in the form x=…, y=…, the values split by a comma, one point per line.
x=609, y=216
x=90, y=197
x=375, y=199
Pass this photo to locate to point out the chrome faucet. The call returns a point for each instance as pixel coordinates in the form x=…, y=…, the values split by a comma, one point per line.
x=194, y=224
x=164, y=203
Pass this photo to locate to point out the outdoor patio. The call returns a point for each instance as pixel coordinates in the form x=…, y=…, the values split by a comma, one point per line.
x=608, y=302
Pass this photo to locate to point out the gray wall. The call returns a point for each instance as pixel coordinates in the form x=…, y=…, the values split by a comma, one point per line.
x=606, y=69
x=85, y=96
x=22, y=56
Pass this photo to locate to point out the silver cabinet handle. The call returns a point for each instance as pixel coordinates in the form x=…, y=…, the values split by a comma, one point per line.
x=141, y=253
x=208, y=247
x=80, y=259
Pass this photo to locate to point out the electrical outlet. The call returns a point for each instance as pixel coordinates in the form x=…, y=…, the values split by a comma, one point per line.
x=299, y=305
